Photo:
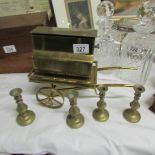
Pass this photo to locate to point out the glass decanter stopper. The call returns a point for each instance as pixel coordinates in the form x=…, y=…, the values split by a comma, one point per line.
x=145, y=10
x=145, y=17
x=105, y=10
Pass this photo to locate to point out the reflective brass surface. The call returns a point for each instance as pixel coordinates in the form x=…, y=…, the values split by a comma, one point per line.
x=84, y=78
x=63, y=64
x=25, y=116
x=119, y=85
x=16, y=92
x=26, y=119
x=62, y=39
x=116, y=68
x=101, y=114
x=62, y=56
x=58, y=64
x=54, y=59
x=124, y=17
x=74, y=119
x=131, y=114
x=54, y=62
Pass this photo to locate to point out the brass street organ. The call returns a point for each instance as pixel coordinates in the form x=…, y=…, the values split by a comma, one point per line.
x=64, y=59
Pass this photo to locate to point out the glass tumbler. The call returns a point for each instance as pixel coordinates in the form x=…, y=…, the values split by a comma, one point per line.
x=137, y=51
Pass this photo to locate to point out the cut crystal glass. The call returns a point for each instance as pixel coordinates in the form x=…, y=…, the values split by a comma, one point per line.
x=109, y=46
x=138, y=47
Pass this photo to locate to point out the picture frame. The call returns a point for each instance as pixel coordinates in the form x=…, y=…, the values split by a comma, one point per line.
x=79, y=13
x=63, y=12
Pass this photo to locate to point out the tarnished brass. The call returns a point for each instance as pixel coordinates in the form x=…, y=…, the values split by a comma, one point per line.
x=119, y=85
x=50, y=97
x=25, y=116
x=62, y=39
x=131, y=114
x=112, y=85
x=101, y=114
x=84, y=78
x=74, y=119
x=58, y=65
x=54, y=62
x=64, y=64
x=88, y=33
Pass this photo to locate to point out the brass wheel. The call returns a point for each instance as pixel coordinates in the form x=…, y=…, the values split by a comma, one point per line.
x=50, y=97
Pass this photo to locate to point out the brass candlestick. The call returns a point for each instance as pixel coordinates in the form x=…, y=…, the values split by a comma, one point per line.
x=25, y=116
x=131, y=114
x=74, y=119
x=101, y=114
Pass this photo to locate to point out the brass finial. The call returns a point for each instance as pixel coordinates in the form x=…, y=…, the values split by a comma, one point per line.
x=131, y=114
x=25, y=116
x=74, y=119
x=101, y=114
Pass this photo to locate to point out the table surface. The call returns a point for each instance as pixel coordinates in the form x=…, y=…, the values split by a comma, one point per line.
x=49, y=132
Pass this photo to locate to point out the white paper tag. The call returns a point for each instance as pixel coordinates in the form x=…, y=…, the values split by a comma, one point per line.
x=81, y=48
x=9, y=49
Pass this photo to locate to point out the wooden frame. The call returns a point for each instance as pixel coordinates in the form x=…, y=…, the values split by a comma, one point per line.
x=62, y=17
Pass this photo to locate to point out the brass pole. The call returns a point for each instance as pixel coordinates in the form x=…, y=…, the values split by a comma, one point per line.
x=116, y=85
x=124, y=17
x=119, y=85
x=116, y=68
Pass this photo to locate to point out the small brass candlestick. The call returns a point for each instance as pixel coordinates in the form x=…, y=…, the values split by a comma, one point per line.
x=101, y=114
x=74, y=119
x=25, y=116
x=131, y=114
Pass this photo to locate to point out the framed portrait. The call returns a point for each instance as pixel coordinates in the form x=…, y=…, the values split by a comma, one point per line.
x=79, y=13
x=76, y=13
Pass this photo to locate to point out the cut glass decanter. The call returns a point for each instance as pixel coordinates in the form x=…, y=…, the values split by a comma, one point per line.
x=109, y=45
x=138, y=47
